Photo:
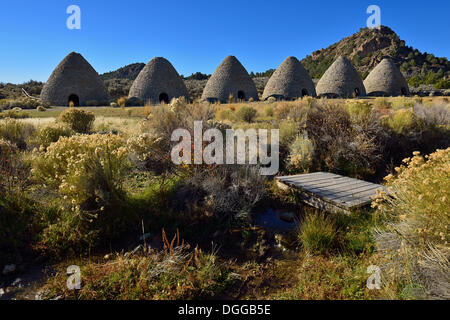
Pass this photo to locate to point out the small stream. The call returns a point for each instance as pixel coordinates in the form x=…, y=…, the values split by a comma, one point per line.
x=277, y=220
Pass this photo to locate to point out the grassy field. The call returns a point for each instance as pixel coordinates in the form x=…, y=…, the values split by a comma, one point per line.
x=95, y=187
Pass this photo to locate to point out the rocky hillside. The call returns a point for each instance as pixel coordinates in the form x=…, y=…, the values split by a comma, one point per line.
x=129, y=72
x=367, y=48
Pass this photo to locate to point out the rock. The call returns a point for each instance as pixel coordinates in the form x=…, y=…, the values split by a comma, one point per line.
x=287, y=216
x=8, y=269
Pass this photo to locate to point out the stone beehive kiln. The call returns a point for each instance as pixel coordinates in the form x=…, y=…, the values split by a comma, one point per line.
x=289, y=82
x=230, y=78
x=74, y=80
x=386, y=80
x=158, y=82
x=341, y=80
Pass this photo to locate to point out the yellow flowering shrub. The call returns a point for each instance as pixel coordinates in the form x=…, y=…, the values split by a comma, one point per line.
x=87, y=172
x=83, y=167
x=420, y=197
x=414, y=249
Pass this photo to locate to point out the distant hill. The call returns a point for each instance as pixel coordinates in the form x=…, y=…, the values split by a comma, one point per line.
x=367, y=48
x=129, y=72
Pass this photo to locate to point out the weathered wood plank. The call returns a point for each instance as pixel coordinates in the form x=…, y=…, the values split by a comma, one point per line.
x=342, y=187
x=356, y=196
x=336, y=185
x=336, y=194
x=331, y=192
x=341, y=190
x=299, y=175
x=309, y=179
x=324, y=182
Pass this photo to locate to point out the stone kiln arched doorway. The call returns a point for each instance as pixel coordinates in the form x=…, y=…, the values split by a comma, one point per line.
x=73, y=100
x=164, y=98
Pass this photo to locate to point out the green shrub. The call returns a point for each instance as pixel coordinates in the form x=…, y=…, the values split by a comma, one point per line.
x=357, y=109
x=16, y=211
x=247, y=114
x=14, y=114
x=52, y=133
x=288, y=132
x=23, y=103
x=15, y=226
x=442, y=84
x=16, y=131
x=79, y=120
x=269, y=112
x=301, y=153
x=226, y=114
x=357, y=242
x=402, y=121
x=317, y=233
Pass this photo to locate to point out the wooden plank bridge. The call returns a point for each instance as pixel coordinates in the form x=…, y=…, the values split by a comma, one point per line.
x=330, y=192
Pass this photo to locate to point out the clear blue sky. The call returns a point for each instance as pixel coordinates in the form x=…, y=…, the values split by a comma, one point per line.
x=197, y=35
